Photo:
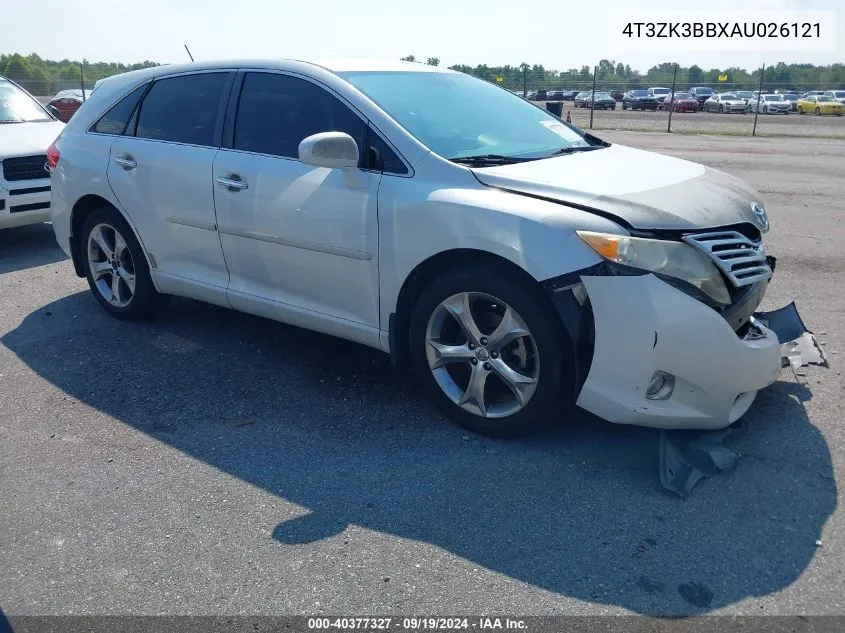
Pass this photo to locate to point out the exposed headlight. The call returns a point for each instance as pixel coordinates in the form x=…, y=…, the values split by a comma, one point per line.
x=664, y=257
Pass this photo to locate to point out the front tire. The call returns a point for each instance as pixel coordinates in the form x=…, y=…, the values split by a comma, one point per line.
x=116, y=267
x=489, y=351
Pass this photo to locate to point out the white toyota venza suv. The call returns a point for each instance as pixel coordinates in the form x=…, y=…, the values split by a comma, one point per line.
x=514, y=261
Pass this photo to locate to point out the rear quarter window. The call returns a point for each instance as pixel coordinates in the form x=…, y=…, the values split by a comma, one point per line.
x=114, y=121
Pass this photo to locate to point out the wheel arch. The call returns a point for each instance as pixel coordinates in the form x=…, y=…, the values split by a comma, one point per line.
x=434, y=266
x=84, y=207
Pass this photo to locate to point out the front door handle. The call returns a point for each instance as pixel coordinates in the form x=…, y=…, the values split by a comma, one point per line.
x=232, y=184
x=127, y=162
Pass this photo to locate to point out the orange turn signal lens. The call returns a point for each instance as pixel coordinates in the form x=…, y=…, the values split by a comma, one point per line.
x=605, y=245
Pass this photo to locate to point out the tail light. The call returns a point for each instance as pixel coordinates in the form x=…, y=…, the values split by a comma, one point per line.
x=53, y=155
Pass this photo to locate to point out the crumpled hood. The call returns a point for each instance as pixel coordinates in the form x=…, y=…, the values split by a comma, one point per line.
x=644, y=189
x=26, y=139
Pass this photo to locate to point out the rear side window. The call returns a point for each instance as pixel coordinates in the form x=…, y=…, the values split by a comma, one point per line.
x=276, y=112
x=183, y=109
x=114, y=121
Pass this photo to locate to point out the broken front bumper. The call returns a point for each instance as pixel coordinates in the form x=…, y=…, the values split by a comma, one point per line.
x=644, y=327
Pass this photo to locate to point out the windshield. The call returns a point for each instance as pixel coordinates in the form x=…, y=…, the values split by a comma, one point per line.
x=839, y=94
x=745, y=94
x=790, y=97
x=730, y=97
x=660, y=91
x=682, y=95
x=703, y=91
x=603, y=95
x=639, y=93
x=16, y=106
x=773, y=97
x=458, y=116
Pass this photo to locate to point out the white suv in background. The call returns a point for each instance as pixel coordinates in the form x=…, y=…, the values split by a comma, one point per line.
x=26, y=130
x=433, y=216
x=837, y=95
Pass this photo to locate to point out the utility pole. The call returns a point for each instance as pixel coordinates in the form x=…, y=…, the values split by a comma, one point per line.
x=82, y=80
x=759, y=96
x=525, y=82
x=672, y=105
x=593, y=96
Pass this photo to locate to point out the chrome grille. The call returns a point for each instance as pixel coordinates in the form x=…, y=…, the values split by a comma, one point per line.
x=742, y=260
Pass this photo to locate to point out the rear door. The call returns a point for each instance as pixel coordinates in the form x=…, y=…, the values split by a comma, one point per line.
x=160, y=172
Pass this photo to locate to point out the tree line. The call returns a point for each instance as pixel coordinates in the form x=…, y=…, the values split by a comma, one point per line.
x=45, y=76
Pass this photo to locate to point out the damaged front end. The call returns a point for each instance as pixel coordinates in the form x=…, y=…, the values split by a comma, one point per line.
x=685, y=350
x=655, y=350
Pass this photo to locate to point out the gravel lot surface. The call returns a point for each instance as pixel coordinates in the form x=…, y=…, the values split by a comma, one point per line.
x=211, y=462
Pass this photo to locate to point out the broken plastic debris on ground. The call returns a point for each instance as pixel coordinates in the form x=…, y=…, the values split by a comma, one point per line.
x=687, y=457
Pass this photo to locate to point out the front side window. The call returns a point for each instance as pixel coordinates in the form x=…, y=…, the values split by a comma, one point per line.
x=458, y=116
x=114, y=121
x=276, y=112
x=16, y=106
x=182, y=109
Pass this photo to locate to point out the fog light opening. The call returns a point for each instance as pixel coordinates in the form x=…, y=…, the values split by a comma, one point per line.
x=661, y=386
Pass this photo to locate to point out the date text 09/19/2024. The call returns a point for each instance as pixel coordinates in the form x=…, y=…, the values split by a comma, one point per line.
x=416, y=623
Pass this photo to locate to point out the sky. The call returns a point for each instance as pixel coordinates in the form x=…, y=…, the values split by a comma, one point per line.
x=558, y=34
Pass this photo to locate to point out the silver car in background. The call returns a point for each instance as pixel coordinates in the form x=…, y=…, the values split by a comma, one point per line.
x=725, y=102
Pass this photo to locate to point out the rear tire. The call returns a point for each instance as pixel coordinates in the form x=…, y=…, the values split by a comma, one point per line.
x=116, y=267
x=520, y=381
x=818, y=112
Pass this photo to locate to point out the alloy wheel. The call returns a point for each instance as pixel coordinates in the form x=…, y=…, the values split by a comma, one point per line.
x=111, y=265
x=482, y=354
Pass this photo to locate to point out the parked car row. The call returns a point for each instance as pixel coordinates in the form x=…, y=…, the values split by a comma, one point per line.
x=700, y=93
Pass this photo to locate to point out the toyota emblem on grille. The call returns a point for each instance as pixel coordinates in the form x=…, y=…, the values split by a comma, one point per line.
x=760, y=217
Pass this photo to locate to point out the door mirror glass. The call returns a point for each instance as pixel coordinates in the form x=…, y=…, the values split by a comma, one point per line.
x=336, y=150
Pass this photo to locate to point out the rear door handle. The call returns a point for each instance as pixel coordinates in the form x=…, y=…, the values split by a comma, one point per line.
x=232, y=184
x=127, y=162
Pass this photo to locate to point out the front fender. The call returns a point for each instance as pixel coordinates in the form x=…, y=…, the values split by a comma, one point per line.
x=535, y=235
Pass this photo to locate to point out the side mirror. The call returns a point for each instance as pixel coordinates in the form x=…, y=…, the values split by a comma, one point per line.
x=336, y=150
x=54, y=111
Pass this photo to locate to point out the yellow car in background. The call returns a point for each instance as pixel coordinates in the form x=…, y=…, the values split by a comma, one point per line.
x=820, y=105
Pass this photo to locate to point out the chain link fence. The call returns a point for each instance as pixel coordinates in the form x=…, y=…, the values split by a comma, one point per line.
x=759, y=105
x=634, y=103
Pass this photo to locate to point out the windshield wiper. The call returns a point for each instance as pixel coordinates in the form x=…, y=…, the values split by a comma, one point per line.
x=572, y=150
x=488, y=159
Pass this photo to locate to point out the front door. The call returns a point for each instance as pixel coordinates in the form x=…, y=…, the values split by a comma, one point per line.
x=300, y=242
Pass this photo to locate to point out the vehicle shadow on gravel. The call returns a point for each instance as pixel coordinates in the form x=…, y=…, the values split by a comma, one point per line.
x=27, y=247
x=328, y=425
